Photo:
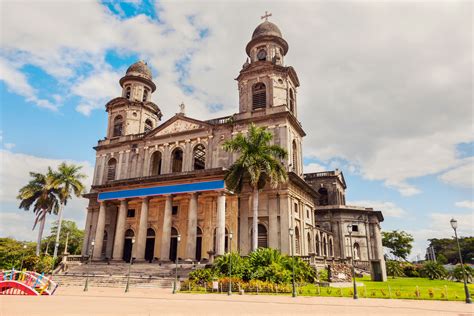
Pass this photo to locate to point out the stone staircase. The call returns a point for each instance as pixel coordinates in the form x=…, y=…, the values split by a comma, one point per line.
x=114, y=274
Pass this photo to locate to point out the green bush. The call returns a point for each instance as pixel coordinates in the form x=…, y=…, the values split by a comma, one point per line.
x=411, y=270
x=394, y=268
x=433, y=271
x=323, y=275
x=457, y=274
x=240, y=266
x=202, y=275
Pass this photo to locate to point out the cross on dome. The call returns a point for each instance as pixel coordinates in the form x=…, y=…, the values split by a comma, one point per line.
x=266, y=16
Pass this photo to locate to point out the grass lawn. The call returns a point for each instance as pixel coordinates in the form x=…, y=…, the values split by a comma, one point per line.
x=404, y=288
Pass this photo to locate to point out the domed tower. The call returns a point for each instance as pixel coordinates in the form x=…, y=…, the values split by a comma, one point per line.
x=133, y=112
x=265, y=81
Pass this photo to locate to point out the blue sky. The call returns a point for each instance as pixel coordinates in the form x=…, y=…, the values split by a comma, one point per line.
x=388, y=102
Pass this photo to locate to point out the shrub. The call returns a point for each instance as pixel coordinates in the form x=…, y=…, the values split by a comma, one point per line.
x=394, y=268
x=411, y=270
x=323, y=275
x=202, y=275
x=456, y=273
x=433, y=270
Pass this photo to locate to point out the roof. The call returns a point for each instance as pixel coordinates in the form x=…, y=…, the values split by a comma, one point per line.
x=140, y=69
x=266, y=28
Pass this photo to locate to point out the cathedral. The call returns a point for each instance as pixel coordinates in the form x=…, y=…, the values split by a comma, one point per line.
x=159, y=194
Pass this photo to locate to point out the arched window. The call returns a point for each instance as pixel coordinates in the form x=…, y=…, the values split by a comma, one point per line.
x=310, y=248
x=128, y=92
x=262, y=236
x=331, y=248
x=155, y=167
x=262, y=54
x=259, y=96
x=118, y=126
x=295, y=156
x=297, y=240
x=177, y=160
x=356, y=251
x=323, y=196
x=148, y=125
x=292, y=101
x=318, y=245
x=145, y=95
x=325, y=246
x=111, y=168
x=199, y=157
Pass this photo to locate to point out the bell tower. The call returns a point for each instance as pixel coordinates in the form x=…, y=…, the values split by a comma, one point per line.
x=264, y=81
x=133, y=112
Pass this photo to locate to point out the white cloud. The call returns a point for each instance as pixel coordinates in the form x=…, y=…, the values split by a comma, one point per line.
x=8, y=145
x=14, y=173
x=389, y=209
x=461, y=176
x=465, y=204
x=314, y=167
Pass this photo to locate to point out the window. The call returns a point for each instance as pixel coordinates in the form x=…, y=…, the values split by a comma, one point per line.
x=296, y=207
x=325, y=246
x=177, y=160
x=131, y=213
x=295, y=156
x=323, y=196
x=111, y=167
x=297, y=240
x=118, y=125
x=148, y=125
x=355, y=228
x=128, y=92
x=292, y=101
x=331, y=253
x=155, y=168
x=318, y=245
x=356, y=251
x=174, y=210
x=145, y=95
x=259, y=96
x=262, y=236
x=310, y=247
x=307, y=213
x=262, y=54
x=199, y=156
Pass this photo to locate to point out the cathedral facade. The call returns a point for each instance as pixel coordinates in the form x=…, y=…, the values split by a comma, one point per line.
x=159, y=194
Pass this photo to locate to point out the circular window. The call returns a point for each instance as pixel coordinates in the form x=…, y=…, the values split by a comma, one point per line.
x=134, y=114
x=262, y=54
x=280, y=81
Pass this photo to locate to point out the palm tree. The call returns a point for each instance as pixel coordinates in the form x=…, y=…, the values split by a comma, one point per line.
x=259, y=162
x=41, y=194
x=66, y=180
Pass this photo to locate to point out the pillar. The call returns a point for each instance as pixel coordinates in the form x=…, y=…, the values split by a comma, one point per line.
x=166, y=232
x=120, y=230
x=86, y=242
x=273, y=222
x=220, y=234
x=244, y=225
x=192, y=227
x=99, y=232
x=139, y=249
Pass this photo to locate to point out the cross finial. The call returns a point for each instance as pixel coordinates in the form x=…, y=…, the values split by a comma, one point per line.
x=266, y=16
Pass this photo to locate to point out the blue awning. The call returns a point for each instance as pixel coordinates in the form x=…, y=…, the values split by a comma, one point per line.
x=162, y=190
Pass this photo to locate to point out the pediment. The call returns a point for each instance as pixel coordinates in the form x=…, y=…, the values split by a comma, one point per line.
x=178, y=124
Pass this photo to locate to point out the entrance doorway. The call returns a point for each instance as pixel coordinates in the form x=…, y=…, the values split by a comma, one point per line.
x=174, y=244
x=127, y=245
x=150, y=245
x=198, y=244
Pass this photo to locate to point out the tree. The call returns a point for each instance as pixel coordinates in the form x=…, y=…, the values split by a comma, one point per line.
x=67, y=180
x=448, y=248
x=42, y=195
x=69, y=230
x=12, y=252
x=258, y=163
x=399, y=243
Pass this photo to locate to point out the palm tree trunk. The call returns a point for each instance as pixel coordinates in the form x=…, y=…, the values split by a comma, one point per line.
x=60, y=220
x=40, y=234
x=255, y=220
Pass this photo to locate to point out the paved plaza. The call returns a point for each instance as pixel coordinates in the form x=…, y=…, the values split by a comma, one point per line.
x=113, y=301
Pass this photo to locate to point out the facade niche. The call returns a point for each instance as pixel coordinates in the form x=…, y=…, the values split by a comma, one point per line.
x=177, y=160
x=156, y=163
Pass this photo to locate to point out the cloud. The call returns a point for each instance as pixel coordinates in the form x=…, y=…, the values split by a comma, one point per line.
x=461, y=176
x=8, y=145
x=389, y=209
x=14, y=173
x=314, y=167
x=465, y=204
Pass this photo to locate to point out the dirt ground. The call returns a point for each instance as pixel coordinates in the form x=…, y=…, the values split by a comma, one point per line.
x=140, y=301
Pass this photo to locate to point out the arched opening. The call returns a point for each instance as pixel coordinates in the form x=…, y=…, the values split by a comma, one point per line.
x=198, y=243
x=145, y=95
x=331, y=248
x=150, y=245
x=177, y=160
x=262, y=236
x=155, y=168
x=297, y=240
x=295, y=156
x=325, y=246
x=127, y=245
x=104, y=244
x=128, y=92
x=111, y=169
x=318, y=245
x=356, y=251
x=148, y=125
x=323, y=196
x=199, y=157
x=259, y=96
x=118, y=126
x=262, y=55
x=292, y=101
x=310, y=246
x=174, y=244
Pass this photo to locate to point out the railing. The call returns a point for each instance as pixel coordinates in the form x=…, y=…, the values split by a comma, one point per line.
x=221, y=120
x=319, y=174
x=76, y=258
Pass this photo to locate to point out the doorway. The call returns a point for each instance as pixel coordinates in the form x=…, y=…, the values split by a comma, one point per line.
x=198, y=244
x=150, y=245
x=174, y=244
x=127, y=246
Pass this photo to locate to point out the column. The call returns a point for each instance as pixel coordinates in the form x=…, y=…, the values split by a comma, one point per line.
x=192, y=227
x=99, y=232
x=285, y=224
x=244, y=224
x=120, y=230
x=220, y=234
x=86, y=242
x=119, y=166
x=166, y=233
x=273, y=221
x=139, y=250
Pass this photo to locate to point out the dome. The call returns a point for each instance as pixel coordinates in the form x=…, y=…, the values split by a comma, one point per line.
x=139, y=69
x=266, y=29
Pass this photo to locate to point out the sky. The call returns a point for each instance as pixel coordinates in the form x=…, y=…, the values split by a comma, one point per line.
x=386, y=92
